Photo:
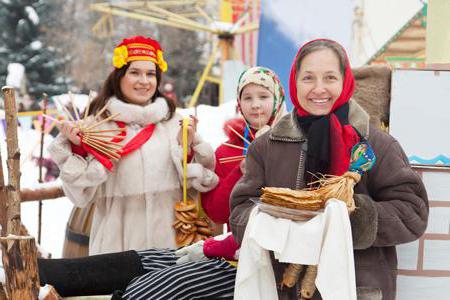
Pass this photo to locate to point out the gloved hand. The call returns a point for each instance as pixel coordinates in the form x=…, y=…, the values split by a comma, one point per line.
x=191, y=253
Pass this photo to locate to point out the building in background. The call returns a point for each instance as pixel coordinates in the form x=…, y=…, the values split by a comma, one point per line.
x=406, y=48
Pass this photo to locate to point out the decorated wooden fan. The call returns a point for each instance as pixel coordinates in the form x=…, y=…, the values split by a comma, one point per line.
x=189, y=226
x=338, y=187
x=105, y=142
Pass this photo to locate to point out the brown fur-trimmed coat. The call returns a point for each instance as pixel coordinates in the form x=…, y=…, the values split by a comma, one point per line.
x=392, y=204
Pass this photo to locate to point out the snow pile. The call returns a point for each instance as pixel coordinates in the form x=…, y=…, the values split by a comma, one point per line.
x=16, y=73
x=211, y=120
x=32, y=15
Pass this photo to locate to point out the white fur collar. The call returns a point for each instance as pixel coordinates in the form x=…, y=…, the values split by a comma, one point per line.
x=154, y=112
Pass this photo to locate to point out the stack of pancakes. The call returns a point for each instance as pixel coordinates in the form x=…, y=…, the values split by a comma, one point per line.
x=296, y=199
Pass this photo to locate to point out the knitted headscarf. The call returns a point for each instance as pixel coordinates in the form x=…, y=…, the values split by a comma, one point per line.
x=266, y=78
x=330, y=137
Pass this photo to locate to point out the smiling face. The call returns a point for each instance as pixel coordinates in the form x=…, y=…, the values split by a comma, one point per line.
x=139, y=83
x=256, y=104
x=319, y=81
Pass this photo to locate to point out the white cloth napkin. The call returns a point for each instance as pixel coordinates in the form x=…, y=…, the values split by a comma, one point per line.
x=325, y=241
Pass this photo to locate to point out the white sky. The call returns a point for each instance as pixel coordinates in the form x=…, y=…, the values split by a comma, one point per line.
x=333, y=19
x=385, y=17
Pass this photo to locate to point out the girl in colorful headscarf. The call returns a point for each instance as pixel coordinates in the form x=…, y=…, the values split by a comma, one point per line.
x=316, y=138
x=206, y=269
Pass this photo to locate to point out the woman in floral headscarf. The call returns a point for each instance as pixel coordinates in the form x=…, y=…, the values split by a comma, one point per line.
x=317, y=138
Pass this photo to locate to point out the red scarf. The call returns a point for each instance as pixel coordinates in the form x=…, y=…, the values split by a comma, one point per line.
x=135, y=143
x=342, y=137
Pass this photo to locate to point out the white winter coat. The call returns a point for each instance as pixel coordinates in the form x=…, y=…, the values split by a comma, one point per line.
x=134, y=202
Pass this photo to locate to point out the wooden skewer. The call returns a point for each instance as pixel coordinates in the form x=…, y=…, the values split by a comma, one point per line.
x=74, y=107
x=108, y=142
x=105, y=144
x=101, y=111
x=102, y=135
x=103, y=152
x=105, y=130
x=232, y=157
x=88, y=104
x=101, y=148
x=233, y=146
x=230, y=160
x=103, y=121
x=112, y=146
x=69, y=115
x=238, y=134
x=51, y=118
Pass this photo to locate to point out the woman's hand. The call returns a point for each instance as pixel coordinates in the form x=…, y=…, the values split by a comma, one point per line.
x=70, y=131
x=192, y=128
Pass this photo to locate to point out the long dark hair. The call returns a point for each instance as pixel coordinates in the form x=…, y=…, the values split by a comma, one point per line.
x=111, y=87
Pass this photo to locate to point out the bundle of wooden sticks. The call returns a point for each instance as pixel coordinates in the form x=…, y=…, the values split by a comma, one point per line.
x=229, y=159
x=103, y=141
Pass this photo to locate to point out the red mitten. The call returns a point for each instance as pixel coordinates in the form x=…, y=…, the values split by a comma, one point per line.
x=221, y=246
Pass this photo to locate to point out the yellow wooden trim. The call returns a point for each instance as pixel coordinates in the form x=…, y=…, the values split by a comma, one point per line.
x=35, y=113
x=220, y=93
x=205, y=74
x=169, y=20
x=213, y=79
x=185, y=125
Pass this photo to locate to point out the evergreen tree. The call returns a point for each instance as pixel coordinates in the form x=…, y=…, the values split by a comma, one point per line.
x=23, y=41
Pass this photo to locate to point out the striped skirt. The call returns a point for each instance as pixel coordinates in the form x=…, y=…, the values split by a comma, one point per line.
x=164, y=280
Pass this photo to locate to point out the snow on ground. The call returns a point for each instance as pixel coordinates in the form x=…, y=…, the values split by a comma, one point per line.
x=55, y=213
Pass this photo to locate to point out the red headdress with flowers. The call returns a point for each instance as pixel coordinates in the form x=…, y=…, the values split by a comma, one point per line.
x=139, y=48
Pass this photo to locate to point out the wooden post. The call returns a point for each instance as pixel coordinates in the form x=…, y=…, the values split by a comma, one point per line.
x=18, y=252
x=41, y=158
x=13, y=162
x=44, y=193
x=2, y=293
x=20, y=263
x=3, y=200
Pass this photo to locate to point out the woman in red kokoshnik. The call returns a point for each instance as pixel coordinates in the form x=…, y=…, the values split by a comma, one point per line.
x=134, y=198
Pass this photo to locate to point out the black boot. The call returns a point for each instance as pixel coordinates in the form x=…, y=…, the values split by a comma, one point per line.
x=91, y=275
x=117, y=295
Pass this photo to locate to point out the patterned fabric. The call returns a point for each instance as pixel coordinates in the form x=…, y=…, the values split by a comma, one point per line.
x=209, y=279
x=330, y=137
x=362, y=158
x=139, y=48
x=266, y=78
x=347, y=88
